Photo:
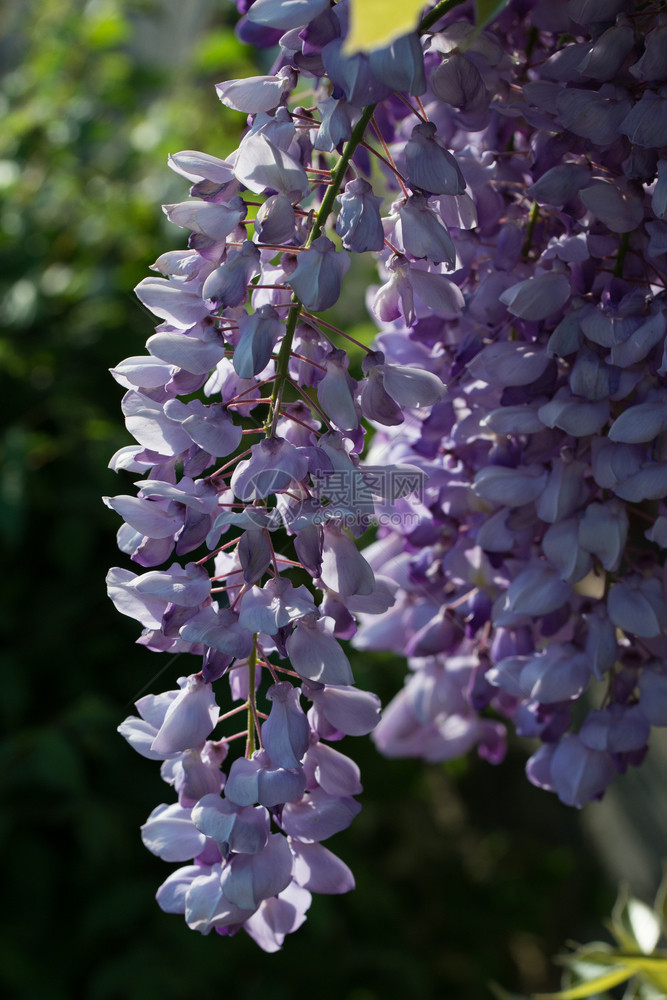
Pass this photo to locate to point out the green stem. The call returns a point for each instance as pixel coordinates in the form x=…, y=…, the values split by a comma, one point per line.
x=438, y=11
x=339, y=173
x=337, y=178
x=533, y=39
x=623, y=247
x=532, y=222
x=282, y=362
x=252, y=664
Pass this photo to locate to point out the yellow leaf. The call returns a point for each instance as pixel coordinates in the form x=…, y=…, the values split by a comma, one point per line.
x=374, y=23
x=590, y=988
x=652, y=967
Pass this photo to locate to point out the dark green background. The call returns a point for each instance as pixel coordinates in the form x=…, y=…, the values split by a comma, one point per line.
x=465, y=872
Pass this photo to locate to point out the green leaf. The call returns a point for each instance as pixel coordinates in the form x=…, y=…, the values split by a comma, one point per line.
x=487, y=11
x=652, y=968
x=374, y=23
x=604, y=982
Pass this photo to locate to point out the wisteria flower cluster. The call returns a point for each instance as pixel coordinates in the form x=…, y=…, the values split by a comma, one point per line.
x=512, y=185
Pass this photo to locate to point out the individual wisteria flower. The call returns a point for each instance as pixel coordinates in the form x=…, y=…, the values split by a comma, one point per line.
x=512, y=184
x=318, y=274
x=431, y=168
x=359, y=223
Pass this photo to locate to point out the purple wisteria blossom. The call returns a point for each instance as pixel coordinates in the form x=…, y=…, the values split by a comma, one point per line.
x=512, y=184
x=545, y=452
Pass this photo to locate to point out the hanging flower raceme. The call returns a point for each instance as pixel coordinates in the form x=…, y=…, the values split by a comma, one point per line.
x=518, y=591
x=239, y=340
x=512, y=184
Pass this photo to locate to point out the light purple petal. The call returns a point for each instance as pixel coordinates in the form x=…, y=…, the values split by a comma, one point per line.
x=646, y=123
x=508, y=362
x=285, y=14
x=335, y=773
x=207, y=218
x=172, y=893
x=145, y=419
x=170, y=834
x=318, y=816
x=148, y=517
x=316, y=655
x=286, y=733
x=188, y=587
x=511, y=487
x=538, y=297
x=247, y=879
x=198, y=166
x=170, y=301
x=277, y=917
x=318, y=869
x=251, y=94
x=621, y=210
x=189, y=719
x=578, y=773
x=537, y=590
x=349, y=710
x=344, y=569
x=220, y=630
x=144, y=608
x=263, y=166
x=192, y=353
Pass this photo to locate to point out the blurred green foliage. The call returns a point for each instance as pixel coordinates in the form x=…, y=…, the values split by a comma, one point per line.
x=636, y=963
x=88, y=121
x=464, y=873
